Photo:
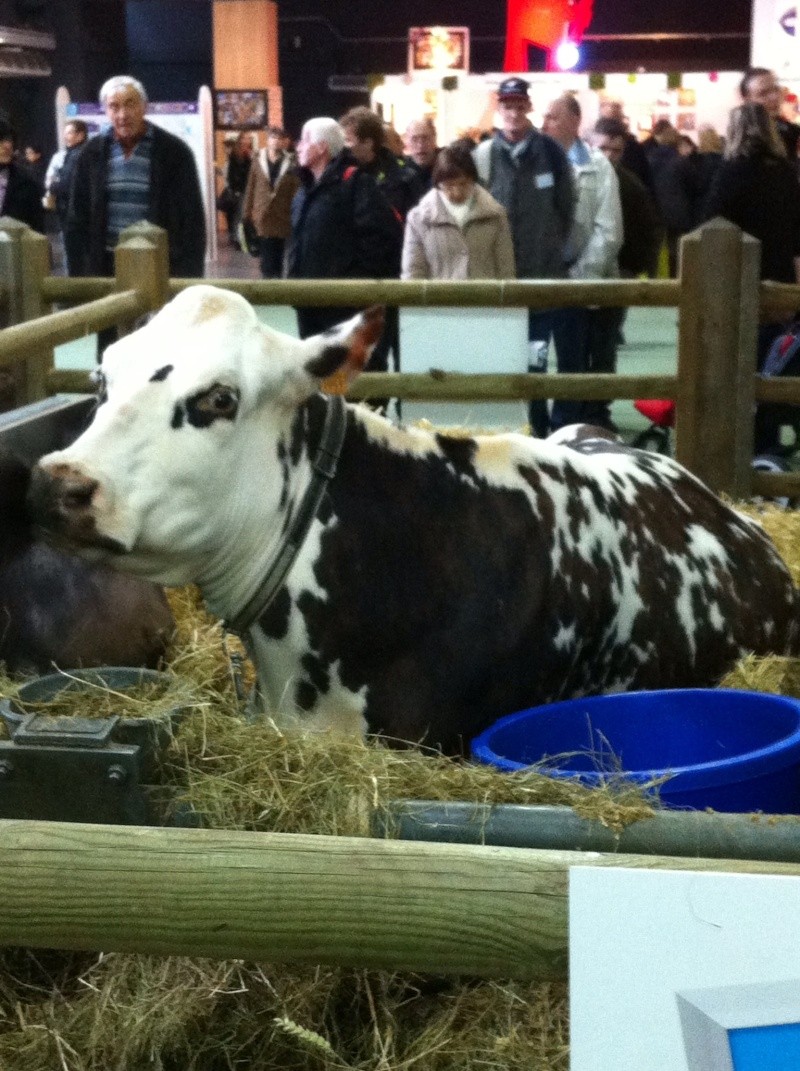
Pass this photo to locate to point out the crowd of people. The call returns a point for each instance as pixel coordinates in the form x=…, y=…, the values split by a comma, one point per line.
x=354, y=200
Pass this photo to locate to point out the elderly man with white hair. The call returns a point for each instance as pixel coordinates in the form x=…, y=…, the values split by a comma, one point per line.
x=342, y=225
x=134, y=171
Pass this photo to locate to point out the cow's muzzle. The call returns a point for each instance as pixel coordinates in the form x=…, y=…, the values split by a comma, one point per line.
x=61, y=500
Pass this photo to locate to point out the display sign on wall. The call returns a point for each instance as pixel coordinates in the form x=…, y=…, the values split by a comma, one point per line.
x=438, y=48
x=241, y=109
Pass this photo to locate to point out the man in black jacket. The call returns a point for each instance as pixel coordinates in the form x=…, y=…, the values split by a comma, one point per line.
x=342, y=225
x=20, y=194
x=58, y=181
x=399, y=181
x=403, y=187
x=134, y=171
x=760, y=86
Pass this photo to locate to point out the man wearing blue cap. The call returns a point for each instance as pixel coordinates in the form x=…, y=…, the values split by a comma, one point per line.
x=531, y=177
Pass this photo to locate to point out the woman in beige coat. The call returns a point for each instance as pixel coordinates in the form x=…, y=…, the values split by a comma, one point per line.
x=458, y=230
x=271, y=185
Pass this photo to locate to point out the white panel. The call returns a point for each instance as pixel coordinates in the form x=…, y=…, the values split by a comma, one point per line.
x=638, y=938
x=465, y=340
x=774, y=40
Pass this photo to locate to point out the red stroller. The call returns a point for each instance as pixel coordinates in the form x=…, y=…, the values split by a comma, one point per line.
x=661, y=413
x=782, y=359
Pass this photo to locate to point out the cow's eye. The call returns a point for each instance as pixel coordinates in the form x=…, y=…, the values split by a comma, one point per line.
x=219, y=402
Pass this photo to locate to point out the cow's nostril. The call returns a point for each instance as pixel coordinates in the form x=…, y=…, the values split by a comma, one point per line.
x=77, y=494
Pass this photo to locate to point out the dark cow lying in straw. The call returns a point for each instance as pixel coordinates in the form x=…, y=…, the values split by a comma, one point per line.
x=59, y=611
x=391, y=579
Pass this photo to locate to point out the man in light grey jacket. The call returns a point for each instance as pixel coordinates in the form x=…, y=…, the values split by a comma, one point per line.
x=529, y=174
x=595, y=241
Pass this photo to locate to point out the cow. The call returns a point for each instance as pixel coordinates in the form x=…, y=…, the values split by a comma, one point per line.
x=394, y=580
x=60, y=612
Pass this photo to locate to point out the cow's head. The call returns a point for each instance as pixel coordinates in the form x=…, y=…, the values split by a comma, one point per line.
x=188, y=449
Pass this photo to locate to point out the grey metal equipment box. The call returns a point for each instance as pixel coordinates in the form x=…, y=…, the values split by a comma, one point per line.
x=34, y=430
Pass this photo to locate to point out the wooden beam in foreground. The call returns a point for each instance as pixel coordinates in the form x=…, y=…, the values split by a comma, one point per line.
x=396, y=905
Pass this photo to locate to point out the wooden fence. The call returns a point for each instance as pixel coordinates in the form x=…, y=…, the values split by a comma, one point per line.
x=719, y=301
x=457, y=909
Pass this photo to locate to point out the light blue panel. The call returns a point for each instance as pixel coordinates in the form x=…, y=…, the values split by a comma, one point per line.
x=766, y=1048
x=78, y=354
x=465, y=340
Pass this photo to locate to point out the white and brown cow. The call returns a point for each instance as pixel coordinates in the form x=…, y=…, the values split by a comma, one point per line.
x=441, y=581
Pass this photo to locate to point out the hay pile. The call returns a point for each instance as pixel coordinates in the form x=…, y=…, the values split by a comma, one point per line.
x=77, y=1012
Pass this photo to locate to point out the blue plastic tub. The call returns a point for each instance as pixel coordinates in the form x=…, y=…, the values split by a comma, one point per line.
x=730, y=750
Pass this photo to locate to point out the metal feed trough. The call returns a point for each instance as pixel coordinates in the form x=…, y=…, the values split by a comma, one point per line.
x=73, y=768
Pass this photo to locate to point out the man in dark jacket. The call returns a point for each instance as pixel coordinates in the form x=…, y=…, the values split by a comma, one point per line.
x=58, y=181
x=134, y=171
x=760, y=86
x=634, y=158
x=422, y=149
x=530, y=175
x=403, y=187
x=342, y=225
x=399, y=181
x=642, y=225
x=20, y=194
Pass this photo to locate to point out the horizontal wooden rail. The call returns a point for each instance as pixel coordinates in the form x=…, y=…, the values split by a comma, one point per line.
x=345, y=901
x=776, y=484
x=458, y=387
x=778, y=389
x=65, y=326
x=503, y=293
x=779, y=299
x=75, y=290
x=489, y=387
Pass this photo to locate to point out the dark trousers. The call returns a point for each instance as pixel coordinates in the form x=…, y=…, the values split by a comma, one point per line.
x=71, y=247
x=571, y=341
x=604, y=331
x=540, y=329
x=313, y=320
x=389, y=340
x=570, y=331
x=271, y=257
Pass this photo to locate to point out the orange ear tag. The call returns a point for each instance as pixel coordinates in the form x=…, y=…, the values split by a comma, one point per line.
x=338, y=382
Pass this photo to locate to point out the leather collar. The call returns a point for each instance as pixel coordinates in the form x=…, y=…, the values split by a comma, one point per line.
x=323, y=470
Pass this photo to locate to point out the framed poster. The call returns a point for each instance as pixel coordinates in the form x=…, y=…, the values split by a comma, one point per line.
x=241, y=109
x=438, y=48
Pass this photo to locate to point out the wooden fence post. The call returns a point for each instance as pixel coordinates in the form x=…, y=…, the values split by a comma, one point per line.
x=141, y=263
x=716, y=356
x=34, y=267
x=13, y=379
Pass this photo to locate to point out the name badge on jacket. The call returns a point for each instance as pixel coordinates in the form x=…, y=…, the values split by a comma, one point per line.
x=545, y=181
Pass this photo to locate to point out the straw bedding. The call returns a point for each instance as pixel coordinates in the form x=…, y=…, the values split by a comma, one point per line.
x=80, y=1012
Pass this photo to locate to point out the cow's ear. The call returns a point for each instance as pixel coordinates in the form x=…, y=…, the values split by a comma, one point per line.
x=344, y=350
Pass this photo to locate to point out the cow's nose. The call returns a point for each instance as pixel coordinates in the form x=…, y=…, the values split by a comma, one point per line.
x=76, y=491
x=59, y=493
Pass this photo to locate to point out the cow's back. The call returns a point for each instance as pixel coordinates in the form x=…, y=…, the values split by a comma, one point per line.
x=456, y=580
